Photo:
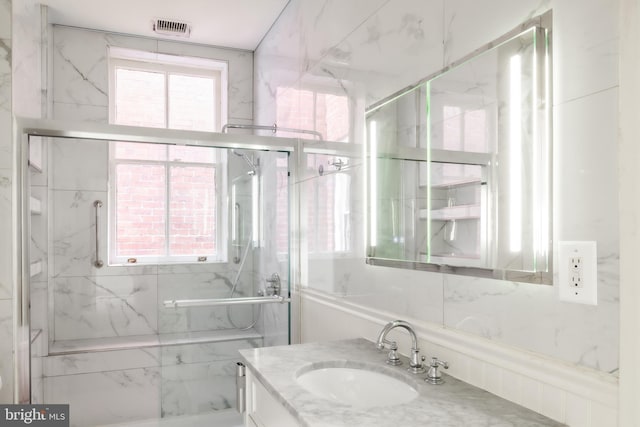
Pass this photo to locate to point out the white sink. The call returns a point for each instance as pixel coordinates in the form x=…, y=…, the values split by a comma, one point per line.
x=357, y=387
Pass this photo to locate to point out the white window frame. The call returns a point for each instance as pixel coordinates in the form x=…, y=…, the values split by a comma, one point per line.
x=171, y=64
x=220, y=255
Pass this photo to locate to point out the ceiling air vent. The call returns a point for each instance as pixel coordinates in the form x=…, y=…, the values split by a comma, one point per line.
x=171, y=28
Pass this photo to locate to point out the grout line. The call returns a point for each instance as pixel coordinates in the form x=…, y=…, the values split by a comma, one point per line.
x=578, y=98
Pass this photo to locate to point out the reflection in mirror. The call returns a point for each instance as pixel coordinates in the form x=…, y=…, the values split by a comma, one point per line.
x=459, y=166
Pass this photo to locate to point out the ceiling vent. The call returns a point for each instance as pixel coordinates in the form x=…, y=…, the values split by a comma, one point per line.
x=170, y=27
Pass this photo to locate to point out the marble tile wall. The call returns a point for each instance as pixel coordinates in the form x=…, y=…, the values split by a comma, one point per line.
x=6, y=288
x=390, y=44
x=80, y=74
x=20, y=95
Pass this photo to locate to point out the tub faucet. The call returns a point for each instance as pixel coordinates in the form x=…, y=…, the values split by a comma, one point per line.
x=415, y=362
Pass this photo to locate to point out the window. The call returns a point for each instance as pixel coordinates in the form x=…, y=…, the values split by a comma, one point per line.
x=166, y=201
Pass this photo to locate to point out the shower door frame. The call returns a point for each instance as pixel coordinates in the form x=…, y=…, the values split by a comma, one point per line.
x=25, y=128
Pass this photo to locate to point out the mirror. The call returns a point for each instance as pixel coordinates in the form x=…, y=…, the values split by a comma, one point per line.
x=459, y=166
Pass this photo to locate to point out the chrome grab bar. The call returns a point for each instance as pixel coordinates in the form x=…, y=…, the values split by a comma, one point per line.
x=209, y=302
x=98, y=262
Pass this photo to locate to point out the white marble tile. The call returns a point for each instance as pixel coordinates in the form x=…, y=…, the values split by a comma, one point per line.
x=214, y=268
x=340, y=17
x=78, y=112
x=73, y=236
x=5, y=19
x=380, y=55
x=198, y=387
x=6, y=118
x=79, y=67
x=80, y=74
x=27, y=58
x=108, y=397
x=275, y=324
x=6, y=249
x=209, y=352
x=39, y=309
x=470, y=24
x=79, y=164
x=585, y=48
x=39, y=250
x=585, y=171
x=86, y=307
x=531, y=317
x=6, y=350
x=273, y=78
x=102, y=361
x=37, y=381
x=392, y=286
x=277, y=64
x=240, y=63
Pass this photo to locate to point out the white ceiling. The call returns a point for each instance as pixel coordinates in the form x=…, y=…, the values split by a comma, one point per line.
x=230, y=23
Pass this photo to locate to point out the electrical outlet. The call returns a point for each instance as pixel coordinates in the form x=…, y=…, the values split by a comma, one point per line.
x=577, y=275
x=575, y=272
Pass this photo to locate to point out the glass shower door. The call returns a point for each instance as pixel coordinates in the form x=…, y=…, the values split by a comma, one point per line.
x=240, y=305
x=109, y=344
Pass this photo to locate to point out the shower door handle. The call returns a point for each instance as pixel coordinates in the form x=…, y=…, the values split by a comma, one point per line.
x=236, y=231
x=241, y=386
x=98, y=262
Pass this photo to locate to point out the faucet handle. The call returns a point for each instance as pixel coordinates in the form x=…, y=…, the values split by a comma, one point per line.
x=433, y=375
x=393, y=359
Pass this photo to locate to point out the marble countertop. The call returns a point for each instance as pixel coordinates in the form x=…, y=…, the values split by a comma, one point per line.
x=454, y=403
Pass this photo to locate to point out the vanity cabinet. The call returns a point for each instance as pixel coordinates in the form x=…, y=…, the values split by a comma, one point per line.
x=262, y=409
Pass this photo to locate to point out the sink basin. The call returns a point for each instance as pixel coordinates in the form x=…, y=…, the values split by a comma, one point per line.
x=359, y=388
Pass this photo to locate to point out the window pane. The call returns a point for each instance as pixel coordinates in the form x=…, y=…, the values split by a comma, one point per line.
x=140, y=210
x=140, y=151
x=191, y=103
x=192, y=211
x=140, y=98
x=178, y=153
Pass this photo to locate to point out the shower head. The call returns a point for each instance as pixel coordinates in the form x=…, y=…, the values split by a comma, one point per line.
x=250, y=162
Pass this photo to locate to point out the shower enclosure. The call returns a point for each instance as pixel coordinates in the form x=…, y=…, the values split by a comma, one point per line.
x=149, y=257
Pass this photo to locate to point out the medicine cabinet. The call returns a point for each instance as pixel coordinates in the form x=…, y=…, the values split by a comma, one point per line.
x=459, y=165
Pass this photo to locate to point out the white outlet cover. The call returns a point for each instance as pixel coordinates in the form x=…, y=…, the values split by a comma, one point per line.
x=588, y=292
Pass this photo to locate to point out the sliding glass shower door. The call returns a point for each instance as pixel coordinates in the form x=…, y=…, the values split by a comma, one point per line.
x=149, y=264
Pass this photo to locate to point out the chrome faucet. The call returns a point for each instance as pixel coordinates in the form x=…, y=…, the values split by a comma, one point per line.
x=415, y=362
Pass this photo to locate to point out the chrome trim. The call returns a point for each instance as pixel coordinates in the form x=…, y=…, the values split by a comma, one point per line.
x=21, y=269
x=98, y=262
x=210, y=302
x=273, y=285
x=433, y=375
x=274, y=129
x=107, y=132
x=241, y=385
